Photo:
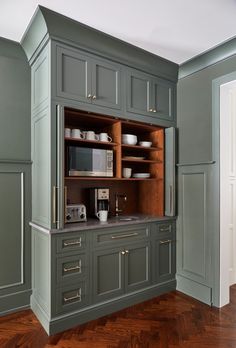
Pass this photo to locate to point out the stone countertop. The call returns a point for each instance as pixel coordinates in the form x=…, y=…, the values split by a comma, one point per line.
x=93, y=223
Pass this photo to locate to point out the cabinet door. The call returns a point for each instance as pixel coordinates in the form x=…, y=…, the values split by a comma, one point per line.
x=73, y=75
x=137, y=266
x=106, y=84
x=138, y=93
x=108, y=266
x=170, y=171
x=163, y=100
x=165, y=263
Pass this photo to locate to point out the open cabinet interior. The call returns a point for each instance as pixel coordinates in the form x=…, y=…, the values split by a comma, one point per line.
x=144, y=195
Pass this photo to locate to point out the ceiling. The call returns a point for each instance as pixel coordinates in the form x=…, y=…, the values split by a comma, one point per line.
x=174, y=29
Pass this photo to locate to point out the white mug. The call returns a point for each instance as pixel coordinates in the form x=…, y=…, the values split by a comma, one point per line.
x=102, y=215
x=127, y=172
x=76, y=133
x=67, y=132
x=104, y=137
x=90, y=135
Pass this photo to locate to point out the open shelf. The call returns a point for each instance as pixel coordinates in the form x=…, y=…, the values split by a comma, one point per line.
x=89, y=178
x=143, y=148
x=88, y=142
x=140, y=160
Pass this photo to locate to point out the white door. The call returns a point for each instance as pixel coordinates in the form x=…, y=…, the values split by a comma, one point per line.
x=227, y=189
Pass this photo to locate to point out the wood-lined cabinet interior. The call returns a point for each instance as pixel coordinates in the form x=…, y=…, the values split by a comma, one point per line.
x=143, y=195
x=88, y=79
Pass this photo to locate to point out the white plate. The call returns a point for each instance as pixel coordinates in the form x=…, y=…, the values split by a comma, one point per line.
x=133, y=158
x=141, y=175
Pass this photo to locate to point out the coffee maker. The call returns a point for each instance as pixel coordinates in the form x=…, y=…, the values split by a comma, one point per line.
x=99, y=200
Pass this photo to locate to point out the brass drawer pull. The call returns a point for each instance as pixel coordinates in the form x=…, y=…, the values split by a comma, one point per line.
x=125, y=235
x=165, y=241
x=77, y=242
x=165, y=229
x=76, y=297
x=75, y=268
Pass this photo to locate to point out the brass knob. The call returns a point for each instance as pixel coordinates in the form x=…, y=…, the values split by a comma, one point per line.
x=154, y=110
x=94, y=97
x=89, y=96
x=122, y=252
x=126, y=251
x=150, y=110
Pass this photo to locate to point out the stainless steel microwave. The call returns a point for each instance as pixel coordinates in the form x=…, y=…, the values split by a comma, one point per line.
x=83, y=161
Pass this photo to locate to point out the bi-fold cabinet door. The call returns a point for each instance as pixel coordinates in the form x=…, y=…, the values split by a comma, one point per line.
x=88, y=79
x=170, y=149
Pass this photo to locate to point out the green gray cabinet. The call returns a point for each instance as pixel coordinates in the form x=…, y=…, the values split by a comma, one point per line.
x=88, y=79
x=121, y=270
x=81, y=275
x=164, y=254
x=108, y=268
x=149, y=95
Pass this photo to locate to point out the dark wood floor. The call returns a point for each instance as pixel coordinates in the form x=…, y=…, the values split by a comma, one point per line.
x=172, y=320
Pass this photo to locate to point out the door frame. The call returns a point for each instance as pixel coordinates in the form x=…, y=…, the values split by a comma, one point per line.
x=218, y=285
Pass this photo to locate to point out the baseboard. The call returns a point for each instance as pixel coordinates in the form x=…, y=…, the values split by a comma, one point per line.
x=15, y=302
x=67, y=321
x=196, y=290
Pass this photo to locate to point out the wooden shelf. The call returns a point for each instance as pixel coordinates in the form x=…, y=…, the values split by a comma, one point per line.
x=138, y=147
x=78, y=178
x=85, y=141
x=139, y=161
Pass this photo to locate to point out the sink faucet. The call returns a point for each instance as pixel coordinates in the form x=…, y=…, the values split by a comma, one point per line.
x=117, y=209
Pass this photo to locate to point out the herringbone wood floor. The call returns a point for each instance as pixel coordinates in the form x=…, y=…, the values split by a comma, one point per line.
x=171, y=320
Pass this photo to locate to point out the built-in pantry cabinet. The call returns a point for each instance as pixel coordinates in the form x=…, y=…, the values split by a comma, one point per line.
x=76, y=277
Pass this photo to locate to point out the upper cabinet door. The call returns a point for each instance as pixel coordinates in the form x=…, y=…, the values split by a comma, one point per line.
x=106, y=84
x=73, y=75
x=163, y=100
x=138, y=92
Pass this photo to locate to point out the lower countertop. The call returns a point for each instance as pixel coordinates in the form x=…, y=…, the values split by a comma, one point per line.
x=93, y=223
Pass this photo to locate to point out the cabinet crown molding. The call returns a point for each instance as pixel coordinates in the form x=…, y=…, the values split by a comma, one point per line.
x=46, y=22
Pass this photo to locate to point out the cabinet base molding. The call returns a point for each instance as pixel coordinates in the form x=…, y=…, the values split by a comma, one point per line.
x=67, y=321
x=15, y=302
x=191, y=288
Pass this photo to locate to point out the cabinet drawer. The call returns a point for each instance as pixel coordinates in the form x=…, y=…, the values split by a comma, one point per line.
x=69, y=242
x=165, y=228
x=121, y=235
x=71, y=298
x=71, y=268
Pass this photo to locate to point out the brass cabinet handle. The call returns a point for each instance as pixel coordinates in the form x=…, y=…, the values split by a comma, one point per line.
x=77, y=242
x=125, y=235
x=76, y=297
x=65, y=200
x=94, y=97
x=165, y=241
x=126, y=251
x=165, y=229
x=171, y=204
x=54, y=205
x=122, y=252
x=150, y=110
x=154, y=110
x=89, y=96
x=72, y=268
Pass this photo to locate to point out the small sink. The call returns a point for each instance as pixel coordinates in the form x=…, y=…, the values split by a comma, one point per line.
x=127, y=218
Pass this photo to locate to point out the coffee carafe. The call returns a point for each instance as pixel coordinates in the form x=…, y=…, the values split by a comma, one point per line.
x=99, y=200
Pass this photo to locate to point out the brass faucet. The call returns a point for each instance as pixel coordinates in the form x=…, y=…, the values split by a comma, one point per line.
x=117, y=196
